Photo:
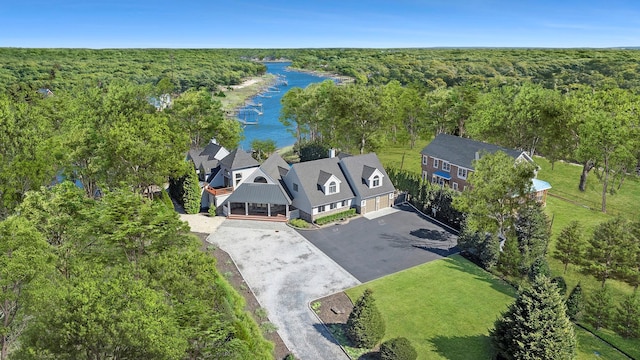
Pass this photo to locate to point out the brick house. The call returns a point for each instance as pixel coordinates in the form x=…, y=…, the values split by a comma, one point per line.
x=448, y=161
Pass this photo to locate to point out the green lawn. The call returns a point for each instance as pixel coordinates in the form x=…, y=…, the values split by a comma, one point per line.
x=584, y=207
x=444, y=307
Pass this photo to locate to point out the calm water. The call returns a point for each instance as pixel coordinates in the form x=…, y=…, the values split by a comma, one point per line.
x=268, y=126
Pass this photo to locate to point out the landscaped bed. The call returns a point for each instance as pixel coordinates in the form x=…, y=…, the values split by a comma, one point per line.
x=445, y=308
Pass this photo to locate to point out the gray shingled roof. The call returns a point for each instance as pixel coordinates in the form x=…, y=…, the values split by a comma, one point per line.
x=462, y=151
x=360, y=168
x=259, y=194
x=238, y=159
x=275, y=167
x=210, y=150
x=308, y=172
x=323, y=177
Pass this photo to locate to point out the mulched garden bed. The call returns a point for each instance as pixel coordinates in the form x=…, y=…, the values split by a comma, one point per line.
x=228, y=269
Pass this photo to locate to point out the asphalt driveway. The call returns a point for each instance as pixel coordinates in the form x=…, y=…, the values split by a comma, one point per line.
x=286, y=273
x=370, y=249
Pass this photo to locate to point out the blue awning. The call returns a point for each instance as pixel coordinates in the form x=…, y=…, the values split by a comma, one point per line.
x=442, y=174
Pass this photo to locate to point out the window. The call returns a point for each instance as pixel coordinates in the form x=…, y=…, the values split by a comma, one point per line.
x=425, y=175
x=332, y=187
x=363, y=203
x=333, y=206
x=238, y=178
x=344, y=203
x=455, y=186
x=260, y=179
x=295, y=187
x=436, y=163
x=321, y=208
x=424, y=159
x=434, y=179
x=462, y=173
x=446, y=166
x=376, y=181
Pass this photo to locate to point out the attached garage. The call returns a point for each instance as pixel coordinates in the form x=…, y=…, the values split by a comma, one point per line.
x=376, y=203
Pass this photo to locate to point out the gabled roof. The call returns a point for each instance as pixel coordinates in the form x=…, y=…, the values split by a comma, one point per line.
x=360, y=168
x=208, y=165
x=238, y=159
x=323, y=177
x=259, y=193
x=309, y=174
x=210, y=150
x=275, y=167
x=462, y=151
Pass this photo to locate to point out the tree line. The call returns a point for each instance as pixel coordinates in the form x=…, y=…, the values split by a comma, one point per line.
x=94, y=261
x=597, y=128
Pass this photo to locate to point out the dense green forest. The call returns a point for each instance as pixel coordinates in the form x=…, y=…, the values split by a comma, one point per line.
x=435, y=68
x=102, y=267
x=65, y=69
x=64, y=248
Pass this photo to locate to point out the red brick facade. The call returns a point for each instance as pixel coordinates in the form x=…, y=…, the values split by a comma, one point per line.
x=458, y=175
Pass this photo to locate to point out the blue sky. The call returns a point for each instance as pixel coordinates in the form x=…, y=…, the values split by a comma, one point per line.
x=328, y=23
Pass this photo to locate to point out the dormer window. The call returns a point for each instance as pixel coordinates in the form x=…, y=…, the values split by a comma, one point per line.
x=372, y=177
x=333, y=188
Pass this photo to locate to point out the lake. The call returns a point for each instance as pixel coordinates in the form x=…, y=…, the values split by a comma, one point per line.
x=269, y=127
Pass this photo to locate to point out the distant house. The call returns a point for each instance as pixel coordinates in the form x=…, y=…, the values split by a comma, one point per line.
x=448, y=161
x=240, y=187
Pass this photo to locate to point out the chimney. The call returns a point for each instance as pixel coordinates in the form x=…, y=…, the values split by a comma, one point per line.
x=477, y=155
x=332, y=153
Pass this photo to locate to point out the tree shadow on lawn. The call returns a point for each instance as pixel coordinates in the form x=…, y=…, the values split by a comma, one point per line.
x=463, y=347
x=481, y=275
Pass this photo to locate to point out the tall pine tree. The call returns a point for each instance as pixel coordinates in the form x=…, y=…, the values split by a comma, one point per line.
x=536, y=326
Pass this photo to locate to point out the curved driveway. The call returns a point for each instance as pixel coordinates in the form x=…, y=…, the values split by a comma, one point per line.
x=286, y=272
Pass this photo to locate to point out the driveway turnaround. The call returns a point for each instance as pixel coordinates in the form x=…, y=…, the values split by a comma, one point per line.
x=286, y=272
x=370, y=249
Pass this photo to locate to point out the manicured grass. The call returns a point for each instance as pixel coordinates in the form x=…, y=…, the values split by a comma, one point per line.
x=444, y=308
x=590, y=347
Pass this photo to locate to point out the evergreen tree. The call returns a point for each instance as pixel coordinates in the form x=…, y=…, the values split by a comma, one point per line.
x=627, y=318
x=539, y=267
x=486, y=249
x=533, y=232
x=398, y=349
x=598, y=309
x=365, y=326
x=536, y=326
x=570, y=245
x=574, y=303
x=561, y=284
x=192, y=193
x=609, y=250
x=510, y=258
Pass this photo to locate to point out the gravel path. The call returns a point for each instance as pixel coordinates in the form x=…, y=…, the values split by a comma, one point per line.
x=286, y=273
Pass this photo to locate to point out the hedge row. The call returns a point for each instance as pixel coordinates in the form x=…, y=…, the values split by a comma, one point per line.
x=337, y=216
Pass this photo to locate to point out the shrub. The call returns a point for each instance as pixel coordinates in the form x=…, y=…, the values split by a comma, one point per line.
x=290, y=357
x=164, y=198
x=212, y=210
x=331, y=218
x=365, y=327
x=299, y=223
x=397, y=349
